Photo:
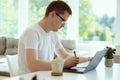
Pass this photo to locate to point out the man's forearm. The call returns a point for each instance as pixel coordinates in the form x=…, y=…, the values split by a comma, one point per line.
x=39, y=66
x=83, y=59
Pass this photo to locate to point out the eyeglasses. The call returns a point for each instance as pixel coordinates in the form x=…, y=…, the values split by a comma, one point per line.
x=60, y=17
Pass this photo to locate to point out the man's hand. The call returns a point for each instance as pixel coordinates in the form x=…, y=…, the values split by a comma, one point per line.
x=71, y=61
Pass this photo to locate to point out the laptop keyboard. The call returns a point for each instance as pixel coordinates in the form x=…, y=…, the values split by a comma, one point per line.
x=79, y=68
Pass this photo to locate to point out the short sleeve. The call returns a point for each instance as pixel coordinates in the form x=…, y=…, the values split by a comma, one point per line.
x=31, y=39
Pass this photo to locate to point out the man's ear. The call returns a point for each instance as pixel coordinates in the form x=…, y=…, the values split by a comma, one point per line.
x=52, y=13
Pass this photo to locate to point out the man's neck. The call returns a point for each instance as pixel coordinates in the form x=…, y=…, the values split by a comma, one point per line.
x=45, y=24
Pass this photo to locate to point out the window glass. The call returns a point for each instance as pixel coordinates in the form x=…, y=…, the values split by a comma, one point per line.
x=37, y=9
x=96, y=20
x=8, y=18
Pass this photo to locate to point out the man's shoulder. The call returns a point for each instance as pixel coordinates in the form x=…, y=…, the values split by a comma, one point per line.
x=34, y=28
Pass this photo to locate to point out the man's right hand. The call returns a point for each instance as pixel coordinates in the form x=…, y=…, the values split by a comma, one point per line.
x=71, y=61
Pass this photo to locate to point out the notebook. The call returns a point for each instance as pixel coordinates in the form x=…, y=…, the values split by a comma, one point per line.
x=92, y=64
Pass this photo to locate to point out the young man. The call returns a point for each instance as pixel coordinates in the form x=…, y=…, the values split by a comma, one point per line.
x=39, y=42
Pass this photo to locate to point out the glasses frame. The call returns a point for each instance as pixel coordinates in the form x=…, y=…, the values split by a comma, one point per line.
x=60, y=17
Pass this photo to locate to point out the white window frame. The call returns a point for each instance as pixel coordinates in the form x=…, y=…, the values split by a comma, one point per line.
x=73, y=22
x=117, y=25
x=22, y=15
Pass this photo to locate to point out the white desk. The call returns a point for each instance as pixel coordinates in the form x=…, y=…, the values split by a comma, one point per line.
x=100, y=73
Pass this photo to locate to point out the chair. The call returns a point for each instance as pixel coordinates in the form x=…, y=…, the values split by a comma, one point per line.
x=117, y=58
x=13, y=64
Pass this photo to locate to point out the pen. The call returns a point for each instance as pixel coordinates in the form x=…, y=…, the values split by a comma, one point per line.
x=34, y=77
x=75, y=53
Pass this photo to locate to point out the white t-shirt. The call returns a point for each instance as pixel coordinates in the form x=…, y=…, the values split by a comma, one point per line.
x=45, y=44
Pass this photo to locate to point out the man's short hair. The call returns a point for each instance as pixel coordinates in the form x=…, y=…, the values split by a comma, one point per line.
x=58, y=6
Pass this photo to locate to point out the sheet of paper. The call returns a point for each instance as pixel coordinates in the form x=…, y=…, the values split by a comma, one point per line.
x=85, y=64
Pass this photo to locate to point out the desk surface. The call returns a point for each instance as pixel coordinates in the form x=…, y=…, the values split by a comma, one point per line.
x=100, y=73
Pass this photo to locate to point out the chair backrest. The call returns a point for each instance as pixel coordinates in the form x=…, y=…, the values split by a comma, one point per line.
x=117, y=58
x=13, y=64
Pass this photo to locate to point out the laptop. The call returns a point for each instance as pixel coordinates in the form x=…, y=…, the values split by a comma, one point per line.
x=92, y=64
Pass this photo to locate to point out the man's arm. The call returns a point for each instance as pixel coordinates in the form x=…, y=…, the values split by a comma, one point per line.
x=71, y=60
x=35, y=64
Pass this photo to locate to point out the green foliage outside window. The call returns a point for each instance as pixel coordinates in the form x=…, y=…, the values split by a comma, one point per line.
x=37, y=10
x=92, y=26
x=86, y=19
x=8, y=17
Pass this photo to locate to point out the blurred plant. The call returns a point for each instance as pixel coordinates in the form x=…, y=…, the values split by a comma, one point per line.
x=110, y=53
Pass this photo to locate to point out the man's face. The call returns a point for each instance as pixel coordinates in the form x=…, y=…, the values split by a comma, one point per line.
x=60, y=20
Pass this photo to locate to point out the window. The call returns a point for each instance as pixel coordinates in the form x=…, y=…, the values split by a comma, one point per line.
x=96, y=20
x=8, y=17
x=90, y=21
